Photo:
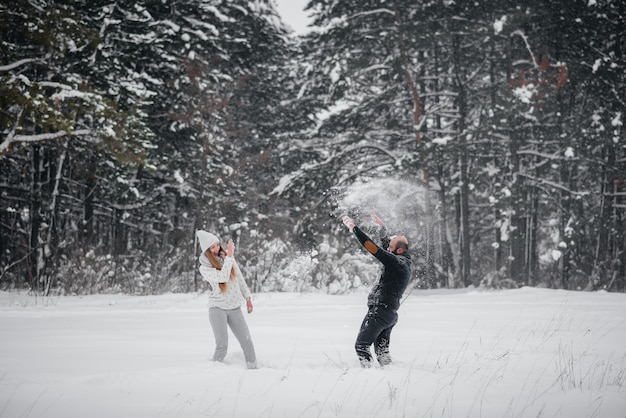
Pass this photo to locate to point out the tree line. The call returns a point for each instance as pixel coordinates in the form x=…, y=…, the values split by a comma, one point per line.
x=127, y=126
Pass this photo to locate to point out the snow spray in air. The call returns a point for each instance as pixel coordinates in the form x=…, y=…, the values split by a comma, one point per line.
x=402, y=205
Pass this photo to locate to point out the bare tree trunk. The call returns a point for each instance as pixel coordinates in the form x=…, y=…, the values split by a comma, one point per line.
x=517, y=219
x=448, y=263
x=88, y=216
x=532, y=260
x=603, y=237
x=619, y=254
x=466, y=272
x=119, y=243
x=565, y=205
x=514, y=252
x=497, y=250
x=447, y=260
x=34, y=248
x=54, y=216
x=198, y=222
x=464, y=230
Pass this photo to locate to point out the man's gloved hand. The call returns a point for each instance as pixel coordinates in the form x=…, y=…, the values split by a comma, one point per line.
x=347, y=221
x=376, y=219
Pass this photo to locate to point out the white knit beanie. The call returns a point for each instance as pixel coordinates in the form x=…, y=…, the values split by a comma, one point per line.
x=206, y=239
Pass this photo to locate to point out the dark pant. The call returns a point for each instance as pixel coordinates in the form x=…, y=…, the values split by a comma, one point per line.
x=375, y=329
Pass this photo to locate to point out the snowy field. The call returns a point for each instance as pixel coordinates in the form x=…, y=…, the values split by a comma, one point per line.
x=517, y=353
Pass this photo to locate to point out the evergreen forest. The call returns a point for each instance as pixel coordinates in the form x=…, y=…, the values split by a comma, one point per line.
x=492, y=131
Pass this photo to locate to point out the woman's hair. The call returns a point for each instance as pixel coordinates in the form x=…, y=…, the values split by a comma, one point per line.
x=216, y=263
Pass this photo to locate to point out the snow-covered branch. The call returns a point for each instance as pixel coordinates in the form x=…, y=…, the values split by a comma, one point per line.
x=553, y=185
x=11, y=139
x=12, y=66
x=522, y=35
x=374, y=67
x=555, y=156
x=135, y=206
x=287, y=180
x=374, y=147
x=371, y=12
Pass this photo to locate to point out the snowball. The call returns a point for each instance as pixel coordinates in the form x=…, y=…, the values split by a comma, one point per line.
x=499, y=24
x=178, y=177
x=596, y=65
x=596, y=119
x=237, y=226
x=441, y=140
x=525, y=93
x=491, y=170
x=569, y=152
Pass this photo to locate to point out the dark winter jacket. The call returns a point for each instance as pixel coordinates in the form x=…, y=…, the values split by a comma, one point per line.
x=395, y=277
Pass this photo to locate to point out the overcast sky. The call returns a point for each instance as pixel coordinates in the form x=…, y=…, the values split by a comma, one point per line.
x=293, y=14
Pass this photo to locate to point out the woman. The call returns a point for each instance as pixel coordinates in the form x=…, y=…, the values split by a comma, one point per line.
x=228, y=290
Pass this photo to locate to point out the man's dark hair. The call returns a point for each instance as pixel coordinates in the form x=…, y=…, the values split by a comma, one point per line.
x=402, y=245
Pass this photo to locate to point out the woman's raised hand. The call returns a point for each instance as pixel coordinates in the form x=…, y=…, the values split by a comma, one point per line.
x=230, y=250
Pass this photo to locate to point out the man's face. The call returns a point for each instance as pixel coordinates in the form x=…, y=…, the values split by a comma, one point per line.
x=393, y=244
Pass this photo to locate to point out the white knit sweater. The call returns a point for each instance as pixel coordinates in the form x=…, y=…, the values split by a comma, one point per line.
x=236, y=290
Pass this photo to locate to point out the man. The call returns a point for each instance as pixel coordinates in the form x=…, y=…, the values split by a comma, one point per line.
x=383, y=300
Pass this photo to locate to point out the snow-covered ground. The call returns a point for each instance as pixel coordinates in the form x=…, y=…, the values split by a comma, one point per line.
x=517, y=353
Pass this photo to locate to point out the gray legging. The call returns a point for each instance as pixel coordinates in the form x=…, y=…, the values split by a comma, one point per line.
x=220, y=320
